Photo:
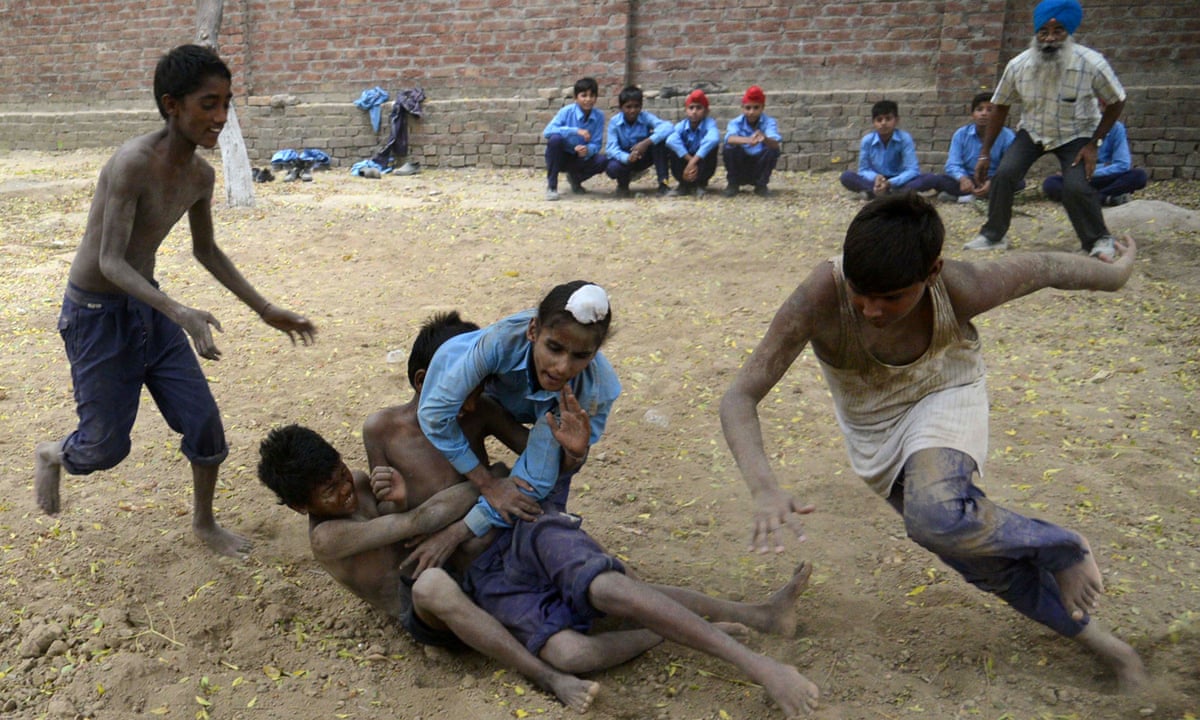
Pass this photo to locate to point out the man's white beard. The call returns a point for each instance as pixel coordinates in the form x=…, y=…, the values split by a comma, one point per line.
x=1050, y=65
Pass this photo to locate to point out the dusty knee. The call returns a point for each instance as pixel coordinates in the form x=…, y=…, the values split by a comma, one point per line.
x=435, y=590
x=607, y=590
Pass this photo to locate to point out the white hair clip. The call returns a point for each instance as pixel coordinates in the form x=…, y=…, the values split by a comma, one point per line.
x=588, y=304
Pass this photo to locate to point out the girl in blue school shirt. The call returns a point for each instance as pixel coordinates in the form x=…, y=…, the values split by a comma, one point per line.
x=545, y=368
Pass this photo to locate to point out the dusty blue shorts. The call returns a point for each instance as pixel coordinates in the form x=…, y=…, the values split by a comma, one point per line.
x=535, y=577
x=117, y=344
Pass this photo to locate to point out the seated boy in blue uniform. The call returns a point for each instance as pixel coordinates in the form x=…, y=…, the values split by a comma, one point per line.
x=1115, y=177
x=958, y=182
x=693, y=144
x=752, y=146
x=887, y=158
x=636, y=140
x=573, y=140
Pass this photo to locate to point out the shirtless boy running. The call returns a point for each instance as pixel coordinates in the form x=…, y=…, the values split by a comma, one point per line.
x=120, y=330
x=890, y=324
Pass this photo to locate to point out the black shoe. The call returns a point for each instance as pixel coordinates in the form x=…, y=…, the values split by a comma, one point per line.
x=730, y=191
x=576, y=185
x=663, y=188
x=762, y=191
x=623, y=192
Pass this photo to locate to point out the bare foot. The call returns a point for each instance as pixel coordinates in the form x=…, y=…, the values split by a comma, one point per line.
x=795, y=694
x=734, y=630
x=1081, y=584
x=780, y=608
x=1123, y=659
x=47, y=473
x=573, y=692
x=221, y=541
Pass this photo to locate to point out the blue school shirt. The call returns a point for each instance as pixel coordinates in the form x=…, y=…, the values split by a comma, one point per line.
x=897, y=162
x=698, y=141
x=740, y=128
x=500, y=356
x=964, y=151
x=569, y=121
x=1113, y=157
x=622, y=136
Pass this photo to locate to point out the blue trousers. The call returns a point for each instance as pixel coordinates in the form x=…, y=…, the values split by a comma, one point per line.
x=535, y=577
x=622, y=172
x=949, y=185
x=117, y=344
x=708, y=168
x=994, y=549
x=854, y=182
x=1107, y=186
x=560, y=157
x=1080, y=199
x=742, y=168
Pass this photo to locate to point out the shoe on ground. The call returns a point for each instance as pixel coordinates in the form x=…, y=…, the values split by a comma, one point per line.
x=408, y=168
x=371, y=172
x=1115, y=200
x=551, y=195
x=1104, y=248
x=982, y=242
x=762, y=191
x=292, y=175
x=676, y=192
x=730, y=191
x=946, y=197
x=663, y=189
x=864, y=195
x=576, y=185
x=700, y=191
x=623, y=192
x=305, y=174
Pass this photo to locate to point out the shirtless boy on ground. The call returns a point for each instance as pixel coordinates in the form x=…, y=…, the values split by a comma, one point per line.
x=120, y=330
x=890, y=324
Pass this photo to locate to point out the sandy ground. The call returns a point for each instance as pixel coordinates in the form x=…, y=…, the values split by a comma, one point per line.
x=113, y=610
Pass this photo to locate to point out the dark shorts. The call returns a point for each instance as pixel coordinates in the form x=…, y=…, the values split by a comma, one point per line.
x=117, y=344
x=535, y=577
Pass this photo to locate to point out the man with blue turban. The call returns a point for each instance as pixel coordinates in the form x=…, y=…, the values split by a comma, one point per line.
x=1059, y=84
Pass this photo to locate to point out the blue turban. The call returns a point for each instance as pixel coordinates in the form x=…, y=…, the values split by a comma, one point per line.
x=1067, y=12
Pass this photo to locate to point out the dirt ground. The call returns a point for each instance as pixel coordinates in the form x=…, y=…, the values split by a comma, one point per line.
x=113, y=610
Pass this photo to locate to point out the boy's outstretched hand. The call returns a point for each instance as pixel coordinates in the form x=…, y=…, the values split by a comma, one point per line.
x=774, y=510
x=296, y=326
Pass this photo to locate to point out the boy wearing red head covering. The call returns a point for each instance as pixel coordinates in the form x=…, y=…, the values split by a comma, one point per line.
x=752, y=145
x=693, y=145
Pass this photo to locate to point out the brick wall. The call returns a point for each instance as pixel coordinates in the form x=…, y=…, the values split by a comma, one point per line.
x=78, y=73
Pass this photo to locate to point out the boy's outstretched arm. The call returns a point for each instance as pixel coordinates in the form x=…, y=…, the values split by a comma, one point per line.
x=338, y=538
x=976, y=288
x=205, y=250
x=793, y=327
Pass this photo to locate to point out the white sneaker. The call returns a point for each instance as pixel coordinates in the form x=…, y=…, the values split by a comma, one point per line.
x=981, y=242
x=1105, y=249
x=551, y=195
